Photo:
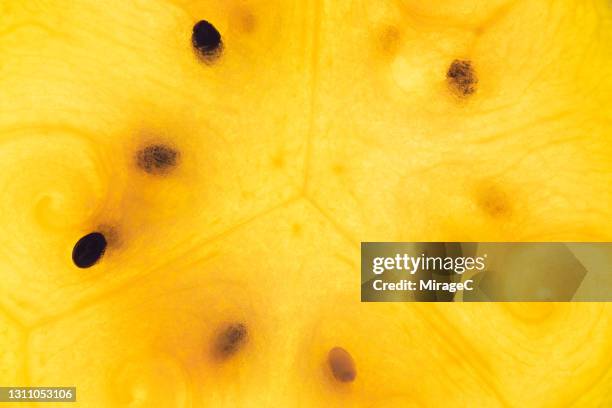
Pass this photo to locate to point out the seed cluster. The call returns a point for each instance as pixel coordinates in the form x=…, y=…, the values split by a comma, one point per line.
x=159, y=159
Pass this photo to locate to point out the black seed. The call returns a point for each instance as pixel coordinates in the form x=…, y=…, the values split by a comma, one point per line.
x=341, y=364
x=461, y=77
x=88, y=250
x=207, y=40
x=157, y=159
x=230, y=340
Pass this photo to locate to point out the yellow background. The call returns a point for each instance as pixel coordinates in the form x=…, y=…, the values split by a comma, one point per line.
x=322, y=124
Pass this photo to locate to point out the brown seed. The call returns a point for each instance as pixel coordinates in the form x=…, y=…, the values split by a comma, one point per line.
x=157, y=159
x=341, y=364
x=462, y=77
x=230, y=340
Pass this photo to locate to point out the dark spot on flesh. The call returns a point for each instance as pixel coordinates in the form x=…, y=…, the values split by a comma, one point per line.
x=494, y=202
x=341, y=364
x=229, y=340
x=89, y=249
x=207, y=40
x=157, y=159
x=390, y=41
x=245, y=21
x=462, y=78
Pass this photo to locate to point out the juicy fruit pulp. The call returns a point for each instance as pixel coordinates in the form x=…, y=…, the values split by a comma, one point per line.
x=233, y=193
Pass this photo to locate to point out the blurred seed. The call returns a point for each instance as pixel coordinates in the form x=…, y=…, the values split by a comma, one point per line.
x=230, y=340
x=462, y=77
x=157, y=159
x=341, y=364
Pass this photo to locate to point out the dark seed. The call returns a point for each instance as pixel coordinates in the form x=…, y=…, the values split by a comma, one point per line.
x=207, y=40
x=88, y=250
x=341, y=364
x=157, y=159
x=230, y=340
x=461, y=77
